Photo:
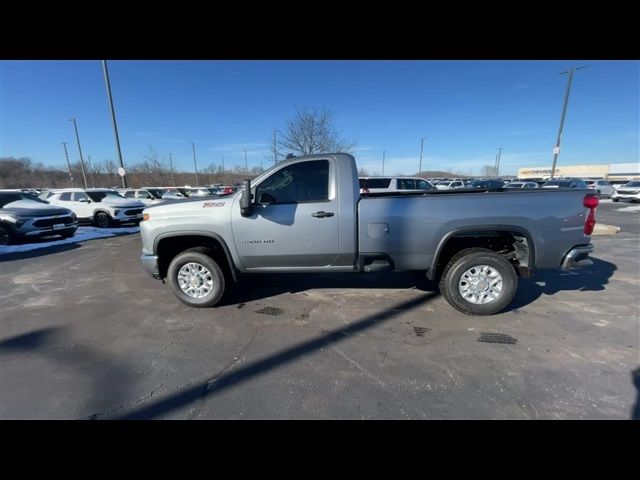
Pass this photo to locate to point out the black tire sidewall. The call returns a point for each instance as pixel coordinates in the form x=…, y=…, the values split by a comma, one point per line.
x=10, y=235
x=218, y=279
x=509, y=283
x=109, y=222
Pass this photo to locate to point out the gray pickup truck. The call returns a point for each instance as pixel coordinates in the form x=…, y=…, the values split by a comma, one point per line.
x=306, y=214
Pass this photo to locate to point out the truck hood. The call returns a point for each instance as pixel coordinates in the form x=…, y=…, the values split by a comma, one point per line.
x=29, y=208
x=190, y=207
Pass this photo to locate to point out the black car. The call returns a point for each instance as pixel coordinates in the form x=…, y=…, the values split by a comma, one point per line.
x=24, y=216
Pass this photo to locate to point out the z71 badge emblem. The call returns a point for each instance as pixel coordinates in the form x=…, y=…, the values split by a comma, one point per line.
x=212, y=204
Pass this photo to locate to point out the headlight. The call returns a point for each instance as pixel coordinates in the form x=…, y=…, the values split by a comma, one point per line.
x=17, y=221
x=74, y=217
x=116, y=212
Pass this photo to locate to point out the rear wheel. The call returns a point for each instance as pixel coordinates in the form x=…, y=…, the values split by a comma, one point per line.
x=196, y=278
x=102, y=220
x=478, y=281
x=615, y=199
x=6, y=235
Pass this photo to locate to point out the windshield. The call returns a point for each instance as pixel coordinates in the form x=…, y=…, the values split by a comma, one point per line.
x=155, y=192
x=6, y=198
x=99, y=196
x=632, y=184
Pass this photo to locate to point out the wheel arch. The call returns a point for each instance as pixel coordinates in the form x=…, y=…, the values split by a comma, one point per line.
x=167, y=246
x=483, y=231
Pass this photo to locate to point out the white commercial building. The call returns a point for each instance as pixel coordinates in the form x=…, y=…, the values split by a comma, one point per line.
x=614, y=172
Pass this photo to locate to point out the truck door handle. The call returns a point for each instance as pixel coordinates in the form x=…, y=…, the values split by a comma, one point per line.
x=322, y=214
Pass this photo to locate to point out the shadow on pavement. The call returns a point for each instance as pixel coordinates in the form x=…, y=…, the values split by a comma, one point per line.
x=95, y=368
x=213, y=386
x=588, y=279
x=257, y=286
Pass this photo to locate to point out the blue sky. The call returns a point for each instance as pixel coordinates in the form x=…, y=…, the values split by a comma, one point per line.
x=465, y=109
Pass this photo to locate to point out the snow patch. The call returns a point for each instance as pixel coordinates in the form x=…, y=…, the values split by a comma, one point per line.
x=82, y=234
x=633, y=208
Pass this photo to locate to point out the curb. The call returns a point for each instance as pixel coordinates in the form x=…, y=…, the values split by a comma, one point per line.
x=602, y=229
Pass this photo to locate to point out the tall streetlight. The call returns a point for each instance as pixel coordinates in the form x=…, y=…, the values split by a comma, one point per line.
x=246, y=164
x=383, y=153
x=84, y=176
x=556, y=150
x=93, y=183
x=275, y=148
x=195, y=164
x=222, y=165
x=421, y=149
x=496, y=166
x=113, y=119
x=66, y=155
x=173, y=179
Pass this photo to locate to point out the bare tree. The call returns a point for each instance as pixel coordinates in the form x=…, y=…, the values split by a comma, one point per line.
x=488, y=171
x=312, y=131
x=363, y=172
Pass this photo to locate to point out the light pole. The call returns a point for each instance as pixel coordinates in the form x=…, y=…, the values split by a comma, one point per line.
x=223, y=167
x=66, y=155
x=421, y=149
x=556, y=150
x=496, y=167
x=84, y=176
x=173, y=179
x=113, y=119
x=275, y=148
x=246, y=165
x=383, y=153
x=195, y=164
x=93, y=182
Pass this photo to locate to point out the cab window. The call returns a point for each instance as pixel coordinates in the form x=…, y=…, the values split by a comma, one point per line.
x=65, y=197
x=406, y=184
x=298, y=183
x=129, y=193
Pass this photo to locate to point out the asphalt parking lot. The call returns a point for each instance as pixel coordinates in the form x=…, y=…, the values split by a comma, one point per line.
x=86, y=334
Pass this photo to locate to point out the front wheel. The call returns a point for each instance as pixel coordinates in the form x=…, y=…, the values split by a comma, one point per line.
x=615, y=199
x=478, y=281
x=6, y=235
x=102, y=220
x=196, y=278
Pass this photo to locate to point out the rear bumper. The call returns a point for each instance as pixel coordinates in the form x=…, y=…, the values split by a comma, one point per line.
x=150, y=264
x=577, y=257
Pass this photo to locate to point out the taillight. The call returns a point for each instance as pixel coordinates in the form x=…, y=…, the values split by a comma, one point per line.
x=591, y=202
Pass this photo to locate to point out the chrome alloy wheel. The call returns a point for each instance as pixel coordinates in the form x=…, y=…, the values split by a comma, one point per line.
x=195, y=280
x=480, y=284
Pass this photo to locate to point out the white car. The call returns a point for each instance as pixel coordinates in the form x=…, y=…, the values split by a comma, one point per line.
x=148, y=196
x=102, y=207
x=627, y=192
x=521, y=185
x=602, y=187
x=450, y=185
x=393, y=184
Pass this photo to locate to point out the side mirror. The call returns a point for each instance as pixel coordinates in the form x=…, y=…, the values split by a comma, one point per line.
x=245, y=199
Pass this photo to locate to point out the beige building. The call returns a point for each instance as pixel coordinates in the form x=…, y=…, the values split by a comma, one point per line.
x=611, y=172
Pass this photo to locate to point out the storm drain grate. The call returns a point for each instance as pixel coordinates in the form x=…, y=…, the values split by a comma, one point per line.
x=270, y=311
x=421, y=331
x=497, y=338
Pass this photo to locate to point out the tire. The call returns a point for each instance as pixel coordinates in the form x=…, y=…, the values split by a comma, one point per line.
x=102, y=220
x=615, y=199
x=462, y=263
x=68, y=235
x=197, y=256
x=6, y=235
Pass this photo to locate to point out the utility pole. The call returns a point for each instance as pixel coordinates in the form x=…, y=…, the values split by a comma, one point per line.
x=383, y=153
x=93, y=183
x=66, y=155
x=556, y=150
x=194, y=162
x=421, y=149
x=84, y=176
x=246, y=165
x=275, y=148
x=496, y=169
x=173, y=179
x=222, y=165
x=113, y=119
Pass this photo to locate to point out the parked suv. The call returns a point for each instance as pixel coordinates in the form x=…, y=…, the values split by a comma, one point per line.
x=23, y=216
x=393, y=184
x=148, y=196
x=100, y=206
x=603, y=187
x=629, y=191
x=486, y=183
x=566, y=183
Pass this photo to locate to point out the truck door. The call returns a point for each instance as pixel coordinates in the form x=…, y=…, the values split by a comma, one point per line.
x=294, y=218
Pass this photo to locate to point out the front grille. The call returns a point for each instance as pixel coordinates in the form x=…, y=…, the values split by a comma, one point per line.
x=135, y=211
x=628, y=192
x=50, y=222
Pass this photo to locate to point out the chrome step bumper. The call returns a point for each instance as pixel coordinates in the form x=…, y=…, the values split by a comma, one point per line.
x=577, y=257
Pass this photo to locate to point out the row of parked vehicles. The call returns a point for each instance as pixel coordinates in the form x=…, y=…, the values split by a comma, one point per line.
x=629, y=191
x=28, y=213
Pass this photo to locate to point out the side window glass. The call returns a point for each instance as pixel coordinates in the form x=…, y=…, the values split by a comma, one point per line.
x=78, y=196
x=300, y=182
x=65, y=197
x=129, y=193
